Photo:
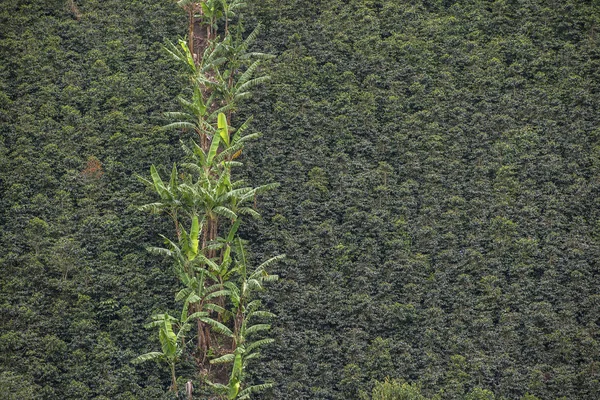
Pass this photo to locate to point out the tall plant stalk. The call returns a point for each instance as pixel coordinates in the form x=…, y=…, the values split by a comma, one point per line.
x=217, y=291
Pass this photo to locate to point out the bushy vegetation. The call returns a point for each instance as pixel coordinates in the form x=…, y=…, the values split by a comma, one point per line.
x=438, y=162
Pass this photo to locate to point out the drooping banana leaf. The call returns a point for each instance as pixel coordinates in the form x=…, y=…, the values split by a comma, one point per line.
x=158, y=183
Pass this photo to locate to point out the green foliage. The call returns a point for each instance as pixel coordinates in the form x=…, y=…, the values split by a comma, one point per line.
x=452, y=265
x=439, y=165
x=171, y=343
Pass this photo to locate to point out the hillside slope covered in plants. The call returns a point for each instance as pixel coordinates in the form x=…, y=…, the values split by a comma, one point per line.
x=439, y=164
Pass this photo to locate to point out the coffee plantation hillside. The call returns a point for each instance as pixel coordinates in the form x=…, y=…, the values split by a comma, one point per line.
x=439, y=167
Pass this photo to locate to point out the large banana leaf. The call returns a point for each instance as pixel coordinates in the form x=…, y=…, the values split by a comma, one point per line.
x=217, y=326
x=223, y=128
x=245, y=394
x=255, y=345
x=154, y=355
x=257, y=328
x=227, y=358
x=168, y=339
x=194, y=241
x=214, y=146
x=158, y=184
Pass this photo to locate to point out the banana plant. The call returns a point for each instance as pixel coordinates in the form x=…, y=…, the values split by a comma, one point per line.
x=198, y=275
x=212, y=11
x=200, y=112
x=236, y=74
x=210, y=197
x=196, y=115
x=218, y=287
x=208, y=191
x=199, y=295
x=234, y=387
x=224, y=244
x=187, y=256
x=240, y=89
x=223, y=76
x=243, y=311
x=229, y=9
x=213, y=192
x=242, y=292
x=183, y=55
x=172, y=344
x=222, y=150
x=168, y=193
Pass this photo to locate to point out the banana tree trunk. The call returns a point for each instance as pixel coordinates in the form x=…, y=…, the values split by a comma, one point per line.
x=173, y=378
x=203, y=340
x=237, y=327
